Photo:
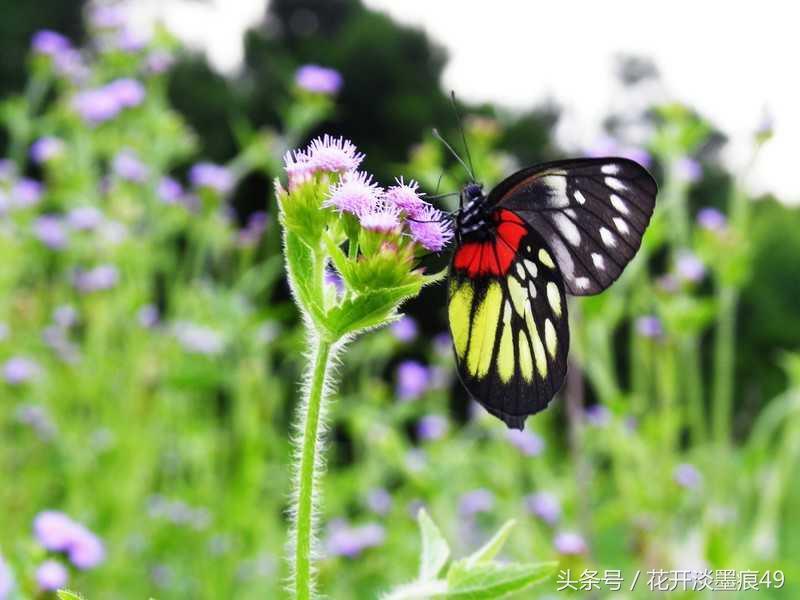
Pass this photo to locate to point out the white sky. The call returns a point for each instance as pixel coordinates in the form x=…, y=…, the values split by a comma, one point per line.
x=731, y=60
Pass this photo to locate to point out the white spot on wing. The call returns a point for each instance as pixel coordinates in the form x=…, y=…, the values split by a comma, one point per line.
x=571, y=213
x=563, y=257
x=621, y=226
x=531, y=266
x=598, y=261
x=579, y=197
x=531, y=289
x=619, y=204
x=615, y=184
x=608, y=237
x=610, y=169
x=520, y=272
x=567, y=229
x=582, y=282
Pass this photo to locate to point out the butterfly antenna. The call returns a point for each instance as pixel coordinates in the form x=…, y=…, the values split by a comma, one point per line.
x=460, y=121
x=438, y=182
x=439, y=137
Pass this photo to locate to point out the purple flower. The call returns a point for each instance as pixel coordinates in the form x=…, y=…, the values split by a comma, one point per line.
x=333, y=155
x=545, y=506
x=159, y=61
x=687, y=476
x=355, y=193
x=380, y=217
x=198, y=339
x=570, y=543
x=19, y=369
x=609, y=146
x=688, y=169
x=49, y=42
x=46, y=148
x=636, y=154
x=51, y=575
x=26, y=192
x=345, y=540
x=211, y=176
x=526, y=442
x=333, y=278
x=54, y=530
x=105, y=16
x=84, y=218
x=432, y=427
x=6, y=579
x=37, y=418
x=689, y=267
x=406, y=197
x=85, y=550
x=317, y=79
x=649, y=326
x=148, y=316
x=100, y=278
x=70, y=64
x=130, y=40
x=476, y=501
x=413, y=378
x=443, y=344
x=49, y=229
x=96, y=106
x=255, y=228
x=711, y=219
x=379, y=501
x=405, y=329
x=126, y=92
x=128, y=166
x=668, y=283
x=169, y=190
x=597, y=415
x=431, y=229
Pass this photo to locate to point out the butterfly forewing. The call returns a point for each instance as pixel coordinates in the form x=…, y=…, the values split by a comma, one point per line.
x=508, y=319
x=592, y=214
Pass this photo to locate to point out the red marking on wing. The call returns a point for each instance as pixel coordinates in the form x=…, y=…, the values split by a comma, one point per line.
x=493, y=257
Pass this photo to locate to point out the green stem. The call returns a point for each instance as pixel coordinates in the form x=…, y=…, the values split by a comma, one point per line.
x=310, y=445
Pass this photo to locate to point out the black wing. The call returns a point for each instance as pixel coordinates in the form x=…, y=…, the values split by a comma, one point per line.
x=591, y=212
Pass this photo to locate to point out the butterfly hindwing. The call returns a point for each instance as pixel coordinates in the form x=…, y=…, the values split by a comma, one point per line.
x=508, y=319
x=592, y=213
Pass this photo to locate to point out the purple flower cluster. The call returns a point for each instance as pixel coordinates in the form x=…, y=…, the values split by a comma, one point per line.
x=56, y=532
x=317, y=79
x=476, y=501
x=405, y=329
x=19, y=369
x=211, y=176
x=50, y=230
x=545, y=506
x=689, y=267
x=347, y=540
x=129, y=167
x=97, y=279
x=649, y=326
x=686, y=475
x=688, y=169
x=432, y=427
x=597, y=415
x=609, y=146
x=6, y=579
x=26, y=193
x=527, y=442
x=570, y=543
x=711, y=219
x=46, y=149
x=379, y=501
x=198, y=339
x=413, y=380
x=51, y=575
x=98, y=105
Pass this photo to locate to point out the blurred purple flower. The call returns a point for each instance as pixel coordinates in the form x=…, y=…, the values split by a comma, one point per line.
x=527, y=442
x=19, y=369
x=37, y=418
x=255, y=228
x=46, y=148
x=688, y=169
x=84, y=218
x=70, y=64
x=6, y=579
x=130, y=40
x=345, y=540
x=50, y=230
x=209, y=175
x=636, y=154
x=159, y=61
x=405, y=329
x=545, y=506
x=379, y=501
x=107, y=16
x=570, y=543
x=7, y=169
x=169, y=190
x=54, y=530
x=148, y=316
x=413, y=379
x=649, y=326
x=198, y=339
x=668, y=283
x=100, y=278
x=597, y=415
x=443, y=344
x=607, y=145
x=406, y=197
x=51, y=575
x=126, y=92
x=711, y=219
x=317, y=79
x=689, y=267
x=26, y=192
x=49, y=42
x=356, y=193
x=475, y=501
x=431, y=229
x=687, y=476
x=96, y=106
x=128, y=166
x=85, y=549
x=432, y=427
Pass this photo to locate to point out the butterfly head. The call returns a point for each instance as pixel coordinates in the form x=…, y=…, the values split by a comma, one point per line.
x=471, y=217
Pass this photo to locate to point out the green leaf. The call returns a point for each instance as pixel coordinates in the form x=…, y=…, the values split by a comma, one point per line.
x=68, y=595
x=435, y=550
x=304, y=270
x=490, y=549
x=368, y=309
x=493, y=580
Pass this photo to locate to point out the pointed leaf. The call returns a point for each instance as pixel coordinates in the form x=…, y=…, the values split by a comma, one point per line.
x=435, y=550
x=491, y=548
x=68, y=595
x=494, y=580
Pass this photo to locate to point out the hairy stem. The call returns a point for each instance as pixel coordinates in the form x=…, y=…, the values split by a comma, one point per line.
x=308, y=470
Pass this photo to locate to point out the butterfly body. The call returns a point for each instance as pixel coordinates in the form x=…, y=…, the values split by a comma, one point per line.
x=566, y=226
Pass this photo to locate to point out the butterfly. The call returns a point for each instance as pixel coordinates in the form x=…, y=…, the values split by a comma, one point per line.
x=569, y=226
